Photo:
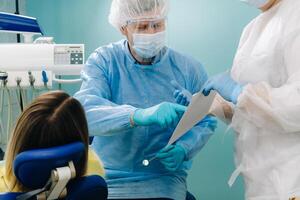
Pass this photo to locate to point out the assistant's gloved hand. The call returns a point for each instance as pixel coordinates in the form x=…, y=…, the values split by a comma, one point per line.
x=210, y=122
x=225, y=86
x=181, y=95
x=164, y=114
x=172, y=157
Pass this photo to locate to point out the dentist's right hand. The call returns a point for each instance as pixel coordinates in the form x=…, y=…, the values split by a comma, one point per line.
x=164, y=115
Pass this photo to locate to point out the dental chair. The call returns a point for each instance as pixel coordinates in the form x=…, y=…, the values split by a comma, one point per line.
x=50, y=173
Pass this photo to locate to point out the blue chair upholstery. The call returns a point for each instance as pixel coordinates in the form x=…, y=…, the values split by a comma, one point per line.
x=87, y=188
x=33, y=169
x=9, y=196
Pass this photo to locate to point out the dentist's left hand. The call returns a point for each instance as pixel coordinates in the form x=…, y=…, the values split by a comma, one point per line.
x=172, y=157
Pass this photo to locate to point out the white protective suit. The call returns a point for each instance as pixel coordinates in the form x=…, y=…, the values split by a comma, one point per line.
x=267, y=116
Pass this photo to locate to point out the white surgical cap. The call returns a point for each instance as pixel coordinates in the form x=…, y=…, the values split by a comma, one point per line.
x=123, y=11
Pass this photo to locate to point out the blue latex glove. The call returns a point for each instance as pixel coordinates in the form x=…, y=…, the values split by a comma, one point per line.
x=209, y=122
x=172, y=157
x=164, y=114
x=225, y=86
x=181, y=95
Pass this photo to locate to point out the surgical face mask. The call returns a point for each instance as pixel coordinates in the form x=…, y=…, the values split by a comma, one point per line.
x=149, y=45
x=256, y=3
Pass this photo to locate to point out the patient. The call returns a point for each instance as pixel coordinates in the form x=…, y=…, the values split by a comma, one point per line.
x=53, y=119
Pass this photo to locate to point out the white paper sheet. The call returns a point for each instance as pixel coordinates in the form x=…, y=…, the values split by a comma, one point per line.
x=197, y=110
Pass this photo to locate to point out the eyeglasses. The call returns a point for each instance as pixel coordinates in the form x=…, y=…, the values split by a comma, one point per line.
x=144, y=26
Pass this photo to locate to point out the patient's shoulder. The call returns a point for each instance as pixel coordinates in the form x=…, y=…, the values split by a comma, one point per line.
x=95, y=166
x=3, y=185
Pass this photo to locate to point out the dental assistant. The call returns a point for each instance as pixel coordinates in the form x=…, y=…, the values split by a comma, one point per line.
x=264, y=86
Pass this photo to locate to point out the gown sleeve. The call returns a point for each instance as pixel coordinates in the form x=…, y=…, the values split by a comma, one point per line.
x=104, y=117
x=272, y=108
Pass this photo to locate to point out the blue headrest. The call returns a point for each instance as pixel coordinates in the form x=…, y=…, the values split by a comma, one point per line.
x=33, y=168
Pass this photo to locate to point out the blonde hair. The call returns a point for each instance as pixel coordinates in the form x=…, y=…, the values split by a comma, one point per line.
x=53, y=119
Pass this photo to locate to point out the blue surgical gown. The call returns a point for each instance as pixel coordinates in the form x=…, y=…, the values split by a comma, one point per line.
x=114, y=86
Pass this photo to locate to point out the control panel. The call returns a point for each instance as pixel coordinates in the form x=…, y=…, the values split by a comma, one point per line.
x=68, y=55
